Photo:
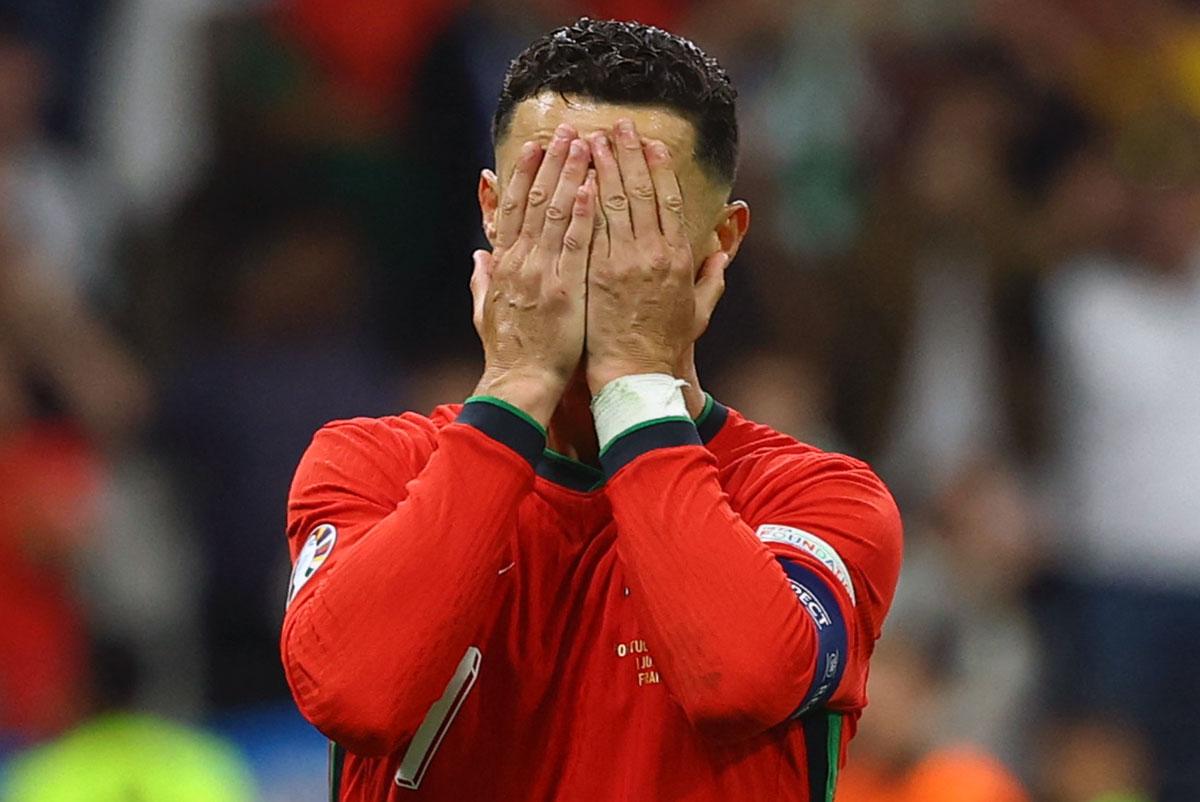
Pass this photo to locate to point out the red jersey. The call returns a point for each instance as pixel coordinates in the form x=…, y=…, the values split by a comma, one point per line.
x=472, y=616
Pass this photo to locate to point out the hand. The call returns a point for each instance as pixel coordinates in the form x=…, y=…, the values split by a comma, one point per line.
x=530, y=292
x=647, y=304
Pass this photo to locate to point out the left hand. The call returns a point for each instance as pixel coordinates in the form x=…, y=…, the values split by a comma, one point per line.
x=646, y=303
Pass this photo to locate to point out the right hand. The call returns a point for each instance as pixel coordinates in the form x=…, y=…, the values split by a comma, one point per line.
x=530, y=292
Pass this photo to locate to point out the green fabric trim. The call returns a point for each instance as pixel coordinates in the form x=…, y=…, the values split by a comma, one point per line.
x=643, y=425
x=708, y=408
x=592, y=470
x=835, y=753
x=335, y=773
x=500, y=402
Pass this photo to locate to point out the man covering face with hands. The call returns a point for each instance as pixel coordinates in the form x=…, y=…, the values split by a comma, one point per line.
x=590, y=580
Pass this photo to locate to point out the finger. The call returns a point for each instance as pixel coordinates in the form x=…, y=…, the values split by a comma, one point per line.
x=576, y=244
x=481, y=278
x=546, y=180
x=559, y=210
x=614, y=205
x=710, y=285
x=668, y=193
x=599, y=222
x=635, y=173
x=512, y=205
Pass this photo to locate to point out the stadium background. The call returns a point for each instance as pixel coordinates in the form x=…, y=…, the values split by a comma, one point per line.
x=974, y=262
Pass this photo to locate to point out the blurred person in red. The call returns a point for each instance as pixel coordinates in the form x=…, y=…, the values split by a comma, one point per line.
x=894, y=758
x=48, y=477
x=591, y=580
x=66, y=388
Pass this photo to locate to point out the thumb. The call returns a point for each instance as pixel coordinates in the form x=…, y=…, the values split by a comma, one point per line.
x=710, y=286
x=481, y=278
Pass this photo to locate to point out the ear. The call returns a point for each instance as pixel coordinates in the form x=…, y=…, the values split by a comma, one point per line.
x=732, y=226
x=489, y=201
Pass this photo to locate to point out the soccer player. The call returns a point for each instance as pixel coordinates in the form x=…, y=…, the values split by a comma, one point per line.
x=590, y=581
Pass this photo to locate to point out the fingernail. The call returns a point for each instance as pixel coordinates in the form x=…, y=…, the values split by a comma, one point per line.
x=625, y=126
x=563, y=131
x=661, y=150
x=600, y=140
x=527, y=149
x=578, y=148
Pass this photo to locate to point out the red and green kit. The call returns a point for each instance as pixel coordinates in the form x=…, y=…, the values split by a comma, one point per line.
x=473, y=616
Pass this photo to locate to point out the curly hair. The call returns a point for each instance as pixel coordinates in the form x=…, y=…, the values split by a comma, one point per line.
x=635, y=64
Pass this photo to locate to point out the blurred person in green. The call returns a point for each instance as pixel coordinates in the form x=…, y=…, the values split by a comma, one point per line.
x=123, y=756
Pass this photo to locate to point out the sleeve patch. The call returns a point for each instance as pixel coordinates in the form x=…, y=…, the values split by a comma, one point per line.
x=818, y=600
x=315, y=552
x=813, y=545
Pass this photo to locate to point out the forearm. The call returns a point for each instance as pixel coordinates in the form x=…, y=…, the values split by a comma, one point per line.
x=736, y=649
x=370, y=647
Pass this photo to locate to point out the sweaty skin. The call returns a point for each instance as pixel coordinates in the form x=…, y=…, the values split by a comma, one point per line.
x=705, y=230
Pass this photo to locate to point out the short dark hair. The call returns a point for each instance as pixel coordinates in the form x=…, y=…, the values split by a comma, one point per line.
x=631, y=63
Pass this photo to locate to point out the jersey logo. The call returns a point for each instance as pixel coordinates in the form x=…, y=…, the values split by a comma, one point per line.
x=315, y=552
x=816, y=595
x=810, y=544
x=811, y=603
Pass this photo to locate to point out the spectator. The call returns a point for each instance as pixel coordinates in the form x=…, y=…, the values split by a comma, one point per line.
x=282, y=355
x=1093, y=760
x=1124, y=329
x=118, y=754
x=894, y=760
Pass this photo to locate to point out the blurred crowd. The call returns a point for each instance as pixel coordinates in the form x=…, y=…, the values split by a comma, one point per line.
x=974, y=261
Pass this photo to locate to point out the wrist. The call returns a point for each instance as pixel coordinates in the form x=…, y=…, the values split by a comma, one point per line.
x=601, y=375
x=631, y=402
x=536, y=394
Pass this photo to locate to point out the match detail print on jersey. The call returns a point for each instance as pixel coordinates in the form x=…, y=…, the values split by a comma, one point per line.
x=810, y=543
x=437, y=721
x=313, y=554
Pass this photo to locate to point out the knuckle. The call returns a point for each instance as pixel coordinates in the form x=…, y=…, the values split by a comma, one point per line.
x=643, y=191
x=674, y=203
x=658, y=258
x=509, y=206
x=572, y=243
x=555, y=212
x=600, y=223
x=617, y=203
x=537, y=196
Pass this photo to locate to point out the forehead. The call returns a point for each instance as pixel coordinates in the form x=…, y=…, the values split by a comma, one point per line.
x=535, y=118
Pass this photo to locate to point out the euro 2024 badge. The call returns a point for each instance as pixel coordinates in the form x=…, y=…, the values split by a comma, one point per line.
x=313, y=555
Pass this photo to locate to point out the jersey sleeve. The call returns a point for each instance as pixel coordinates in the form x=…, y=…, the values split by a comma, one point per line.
x=397, y=531
x=765, y=612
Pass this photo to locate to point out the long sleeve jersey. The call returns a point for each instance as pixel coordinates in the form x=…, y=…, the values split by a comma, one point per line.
x=473, y=616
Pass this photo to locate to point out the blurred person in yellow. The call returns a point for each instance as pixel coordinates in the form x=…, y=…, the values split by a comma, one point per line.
x=894, y=760
x=124, y=756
